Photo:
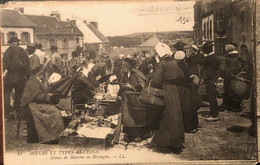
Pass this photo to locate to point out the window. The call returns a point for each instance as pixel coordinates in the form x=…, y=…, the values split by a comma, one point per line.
x=207, y=36
x=243, y=19
x=2, y=38
x=210, y=29
x=25, y=38
x=106, y=48
x=204, y=30
x=10, y=35
x=65, y=43
x=77, y=40
x=220, y=14
x=244, y=51
x=53, y=42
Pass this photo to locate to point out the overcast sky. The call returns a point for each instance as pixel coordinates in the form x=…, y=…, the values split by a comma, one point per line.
x=120, y=18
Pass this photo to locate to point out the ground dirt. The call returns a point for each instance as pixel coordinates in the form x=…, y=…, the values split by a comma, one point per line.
x=230, y=138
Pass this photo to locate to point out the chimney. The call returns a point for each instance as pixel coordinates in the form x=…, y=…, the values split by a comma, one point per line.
x=21, y=9
x=85, y=21
x=95, y=24
x=73, y=22
x=56, y=14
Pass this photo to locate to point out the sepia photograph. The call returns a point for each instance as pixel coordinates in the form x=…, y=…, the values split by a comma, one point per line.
x=130, y=82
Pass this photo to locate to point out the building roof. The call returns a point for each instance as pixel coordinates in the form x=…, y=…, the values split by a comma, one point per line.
x=13, y=18
x=97, y=33
x=151, y=42
x=50, y=25
x=70, y=25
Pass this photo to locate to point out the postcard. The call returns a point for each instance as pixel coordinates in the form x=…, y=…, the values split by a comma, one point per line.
x=130, y=82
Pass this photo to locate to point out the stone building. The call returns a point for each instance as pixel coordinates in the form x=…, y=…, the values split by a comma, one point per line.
x=223, y=22
x=14, y=24
x=51, y=31
x=94, y=42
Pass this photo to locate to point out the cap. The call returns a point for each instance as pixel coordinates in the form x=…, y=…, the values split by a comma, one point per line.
x=179, y=55
x=121, y=56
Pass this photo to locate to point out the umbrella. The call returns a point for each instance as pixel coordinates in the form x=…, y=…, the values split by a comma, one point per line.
x=64, y=85
x=104, y=78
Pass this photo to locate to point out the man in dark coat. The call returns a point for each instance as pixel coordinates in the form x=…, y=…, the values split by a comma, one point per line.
x=33, y=58
x=191, y=60
x=108, y=63
x=118, y=66
x=209, y=74
x=15, y=67
x=55, y=64
x=147, y=65
x=233, y=65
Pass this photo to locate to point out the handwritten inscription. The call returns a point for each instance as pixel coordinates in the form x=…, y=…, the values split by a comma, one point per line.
x=182, y=20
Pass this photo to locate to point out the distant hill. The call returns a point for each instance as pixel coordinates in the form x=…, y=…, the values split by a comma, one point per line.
x=125, y=41
x=136, y=39
x=177, y=33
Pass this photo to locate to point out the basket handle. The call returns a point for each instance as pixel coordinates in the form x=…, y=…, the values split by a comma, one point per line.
x=241, y=73
x=149, y=85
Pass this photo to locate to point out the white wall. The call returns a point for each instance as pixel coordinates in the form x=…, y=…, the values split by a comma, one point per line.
x=88, y=35
x=5, y=30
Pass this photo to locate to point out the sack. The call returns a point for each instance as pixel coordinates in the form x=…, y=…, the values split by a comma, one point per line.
x=152, y=96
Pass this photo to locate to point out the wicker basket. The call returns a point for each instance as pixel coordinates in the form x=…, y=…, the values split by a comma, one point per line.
x=240, y=86
x=151, y=100
x=154, y=91
x=133, y=99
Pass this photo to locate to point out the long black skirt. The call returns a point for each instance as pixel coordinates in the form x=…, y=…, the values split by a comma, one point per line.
x=171, y=131
x=190, y=103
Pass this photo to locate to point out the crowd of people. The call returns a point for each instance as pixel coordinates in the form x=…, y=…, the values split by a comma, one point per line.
x=176, y=71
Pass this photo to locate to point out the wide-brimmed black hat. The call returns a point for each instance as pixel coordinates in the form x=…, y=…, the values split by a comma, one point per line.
x=54, y=48
x=179, y=46
x=38, y=45
x=30, y=48
x=207, y=47
x=13, y=39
